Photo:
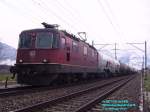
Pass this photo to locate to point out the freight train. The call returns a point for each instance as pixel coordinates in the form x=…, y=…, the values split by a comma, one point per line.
x=48, y=55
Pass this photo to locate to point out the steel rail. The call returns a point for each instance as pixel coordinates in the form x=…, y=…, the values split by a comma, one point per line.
x=101, y=97
x=62, y=98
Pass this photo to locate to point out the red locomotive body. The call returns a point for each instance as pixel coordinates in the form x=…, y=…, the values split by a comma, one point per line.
x=45, y=55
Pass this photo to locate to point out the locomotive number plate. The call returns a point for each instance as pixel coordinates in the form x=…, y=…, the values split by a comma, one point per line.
x=32, y=53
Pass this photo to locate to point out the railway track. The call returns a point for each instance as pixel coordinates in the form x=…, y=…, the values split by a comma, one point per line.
x=2, y=90
x=104, y=95
x=78, y=101
x=16, y=90
x=30, y=89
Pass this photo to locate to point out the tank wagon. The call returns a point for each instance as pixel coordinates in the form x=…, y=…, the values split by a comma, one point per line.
x=47, y=55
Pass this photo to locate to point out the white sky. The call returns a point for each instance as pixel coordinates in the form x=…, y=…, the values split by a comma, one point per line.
x=105, y=21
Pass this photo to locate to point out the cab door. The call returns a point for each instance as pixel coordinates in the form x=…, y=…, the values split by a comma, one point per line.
x=68, y=52
x=65, y=50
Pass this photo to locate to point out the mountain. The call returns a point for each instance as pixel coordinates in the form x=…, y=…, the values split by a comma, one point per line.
x=7, y=54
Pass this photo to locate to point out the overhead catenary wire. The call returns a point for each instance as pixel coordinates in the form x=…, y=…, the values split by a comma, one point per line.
x=72, y=14
x=71, y=18
x=32, y=10
x=49, y=11
x=107, y=16
x=68, y=12
x=20, y=11
x=115, y=22
x=111, y=12
x=79, y=17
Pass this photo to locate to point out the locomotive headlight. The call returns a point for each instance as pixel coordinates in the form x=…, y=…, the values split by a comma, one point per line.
x=20, y=60
x=45, y=60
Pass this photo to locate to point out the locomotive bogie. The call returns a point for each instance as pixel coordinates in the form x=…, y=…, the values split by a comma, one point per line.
x=51, y=72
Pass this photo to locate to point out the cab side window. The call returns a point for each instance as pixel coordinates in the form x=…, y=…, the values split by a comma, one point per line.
x=75, y=46
x=63, y=42
x=56, y=41
x=92, y=53
x=85, y=50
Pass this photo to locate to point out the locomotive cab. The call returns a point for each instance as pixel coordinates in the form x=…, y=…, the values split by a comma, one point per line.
x=37, y=46
x=37, y=56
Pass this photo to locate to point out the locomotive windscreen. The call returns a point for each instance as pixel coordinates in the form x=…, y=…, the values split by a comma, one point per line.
x=44, y=40
x=38, y=40
x=25, y=41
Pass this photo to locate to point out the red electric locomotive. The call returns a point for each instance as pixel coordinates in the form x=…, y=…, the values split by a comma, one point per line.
x=47, y=55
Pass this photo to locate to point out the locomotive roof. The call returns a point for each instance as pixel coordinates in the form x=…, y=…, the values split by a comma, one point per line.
x=41, y=29
x=57, y=31
x=72, y=36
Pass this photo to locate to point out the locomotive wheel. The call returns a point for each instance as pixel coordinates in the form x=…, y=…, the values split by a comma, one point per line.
x=36, y=79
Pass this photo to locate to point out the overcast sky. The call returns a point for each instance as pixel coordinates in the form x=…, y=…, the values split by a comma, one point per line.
x=105, y=21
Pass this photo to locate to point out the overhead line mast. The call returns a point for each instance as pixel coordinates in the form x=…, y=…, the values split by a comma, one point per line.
x=144, y=51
